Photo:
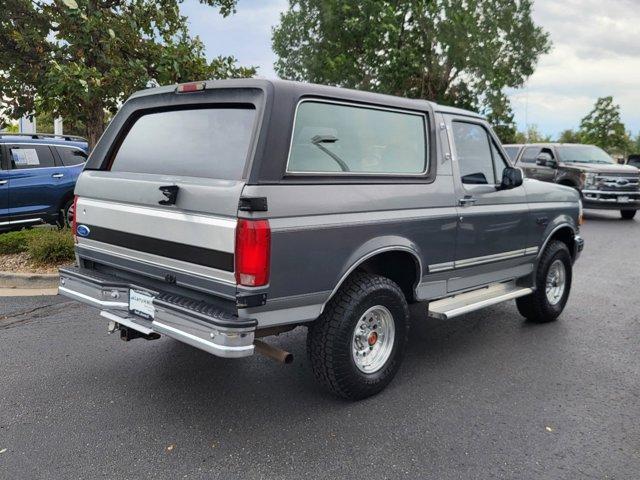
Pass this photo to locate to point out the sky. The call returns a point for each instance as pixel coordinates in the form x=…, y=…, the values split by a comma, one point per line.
x=595, y=53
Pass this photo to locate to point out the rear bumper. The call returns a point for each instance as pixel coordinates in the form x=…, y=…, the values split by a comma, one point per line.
x=603, y=199
x=196, y=323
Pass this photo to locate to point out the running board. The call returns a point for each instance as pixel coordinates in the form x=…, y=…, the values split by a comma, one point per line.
x=456, y=305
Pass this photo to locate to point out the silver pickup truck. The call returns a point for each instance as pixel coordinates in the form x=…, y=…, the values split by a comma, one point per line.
x=222, y=212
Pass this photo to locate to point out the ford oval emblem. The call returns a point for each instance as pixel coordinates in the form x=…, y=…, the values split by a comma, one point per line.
x=83, y=230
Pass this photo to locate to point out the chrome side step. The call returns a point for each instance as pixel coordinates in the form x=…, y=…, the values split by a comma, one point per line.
x=456, y=305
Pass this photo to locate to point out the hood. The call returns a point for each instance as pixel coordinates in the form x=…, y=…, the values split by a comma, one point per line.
x=612, y=168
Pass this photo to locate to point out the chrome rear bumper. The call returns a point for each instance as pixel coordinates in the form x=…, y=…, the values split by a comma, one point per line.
x=194, y=322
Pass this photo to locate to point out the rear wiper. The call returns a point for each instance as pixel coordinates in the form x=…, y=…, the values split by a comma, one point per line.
x=318, y=141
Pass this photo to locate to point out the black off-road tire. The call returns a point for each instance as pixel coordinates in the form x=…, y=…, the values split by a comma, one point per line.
x=536, y=307
x=330, y=337
x=627, y=214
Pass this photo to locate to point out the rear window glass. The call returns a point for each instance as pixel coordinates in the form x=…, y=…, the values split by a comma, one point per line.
x=210, y=142
x=71, y=156
x=343, y=139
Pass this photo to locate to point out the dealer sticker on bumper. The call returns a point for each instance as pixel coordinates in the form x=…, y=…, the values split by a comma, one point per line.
x=141, y=303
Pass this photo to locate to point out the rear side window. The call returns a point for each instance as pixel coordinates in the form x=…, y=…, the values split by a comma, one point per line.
x=331, y=138
x=30, y=156
x=207, y=142
x=71, y=156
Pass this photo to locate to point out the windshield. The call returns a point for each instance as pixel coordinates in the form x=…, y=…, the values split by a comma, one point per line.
x=512, y=152
x=583, y=154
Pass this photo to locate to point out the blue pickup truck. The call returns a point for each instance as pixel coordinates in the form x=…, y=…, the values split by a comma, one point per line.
x=38, y=173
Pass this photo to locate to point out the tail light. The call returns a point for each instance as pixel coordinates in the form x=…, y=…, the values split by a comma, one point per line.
x=253, y=250
x=74, y=217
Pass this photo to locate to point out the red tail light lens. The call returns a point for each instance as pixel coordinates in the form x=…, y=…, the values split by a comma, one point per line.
x=74, y=221
x=253, y=250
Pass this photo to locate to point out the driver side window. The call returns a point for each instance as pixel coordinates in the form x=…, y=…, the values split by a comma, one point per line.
x=473, y=149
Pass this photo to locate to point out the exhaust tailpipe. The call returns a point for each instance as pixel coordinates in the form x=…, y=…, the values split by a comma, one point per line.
x=272, y=352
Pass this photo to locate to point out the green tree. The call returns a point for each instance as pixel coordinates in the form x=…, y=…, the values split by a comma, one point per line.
x=458, y=52
x=532, y=135
x=80, y=59
x=499, y=113
x=635, y=147
x=569, y=136
x=603, y=127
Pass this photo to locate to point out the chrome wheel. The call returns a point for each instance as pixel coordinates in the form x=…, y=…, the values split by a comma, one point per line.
x=373, y=339
x=556, y=281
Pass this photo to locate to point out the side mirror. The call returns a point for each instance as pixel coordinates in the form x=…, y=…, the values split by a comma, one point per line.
x=511, y=178
x=545, y=159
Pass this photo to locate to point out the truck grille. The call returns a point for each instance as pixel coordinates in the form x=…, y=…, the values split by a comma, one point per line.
x=619, y=182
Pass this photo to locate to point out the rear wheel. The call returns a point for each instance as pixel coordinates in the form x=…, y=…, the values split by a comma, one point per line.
x=65, y=217
x=357, y=344
x=553, y=284
x=627, y=214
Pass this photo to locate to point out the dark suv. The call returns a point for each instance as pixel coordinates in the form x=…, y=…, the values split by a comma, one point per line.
x=38, y=173
x=603, y=184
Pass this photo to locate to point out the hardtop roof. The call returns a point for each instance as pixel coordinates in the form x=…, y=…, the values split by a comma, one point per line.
x=302, y=89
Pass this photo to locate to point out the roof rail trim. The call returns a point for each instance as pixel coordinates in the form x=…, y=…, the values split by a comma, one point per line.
x=36, y=136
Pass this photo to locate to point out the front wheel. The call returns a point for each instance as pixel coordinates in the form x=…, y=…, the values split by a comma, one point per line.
x=627, y=214
x=553, y=284
x=357, y=344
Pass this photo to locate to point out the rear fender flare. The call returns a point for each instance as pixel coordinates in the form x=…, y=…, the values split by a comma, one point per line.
x=372, y=248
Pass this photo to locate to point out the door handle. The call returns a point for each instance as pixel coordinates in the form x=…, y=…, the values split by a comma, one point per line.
x=58, y=175
x=467, y=200
x=4, y=182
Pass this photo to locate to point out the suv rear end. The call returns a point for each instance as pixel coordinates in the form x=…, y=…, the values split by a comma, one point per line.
x=160, y=248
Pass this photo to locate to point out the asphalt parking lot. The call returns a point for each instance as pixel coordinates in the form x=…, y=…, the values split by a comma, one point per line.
x=483, y=396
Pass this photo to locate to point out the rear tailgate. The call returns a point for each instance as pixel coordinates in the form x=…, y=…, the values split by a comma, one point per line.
x=159, y=197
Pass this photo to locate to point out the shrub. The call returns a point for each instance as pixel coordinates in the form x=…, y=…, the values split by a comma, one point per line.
x=54, y=246
x=17, y=241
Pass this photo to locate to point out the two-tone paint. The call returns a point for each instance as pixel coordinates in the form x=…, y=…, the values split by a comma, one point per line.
x=436, y=236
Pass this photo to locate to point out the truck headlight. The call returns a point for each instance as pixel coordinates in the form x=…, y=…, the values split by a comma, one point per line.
x=589, y=179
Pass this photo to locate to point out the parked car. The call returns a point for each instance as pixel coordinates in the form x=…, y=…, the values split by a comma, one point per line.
x=38, y=173
x=634, y=160
x=602, y=183
x=288, y=204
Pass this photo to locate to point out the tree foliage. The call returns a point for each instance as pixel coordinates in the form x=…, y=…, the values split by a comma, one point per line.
x=569, y=136
x=457, y=52
x=80, y=59
x=603, y=127
x=499, y=113
x=532, y=135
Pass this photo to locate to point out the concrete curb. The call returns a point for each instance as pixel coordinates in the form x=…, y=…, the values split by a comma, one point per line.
x=29, y=280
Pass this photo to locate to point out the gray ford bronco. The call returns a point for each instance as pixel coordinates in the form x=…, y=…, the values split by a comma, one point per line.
x=222, y=212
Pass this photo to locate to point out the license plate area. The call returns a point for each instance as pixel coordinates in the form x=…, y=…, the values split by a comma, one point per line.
x=623, y=199
x=141, y=303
